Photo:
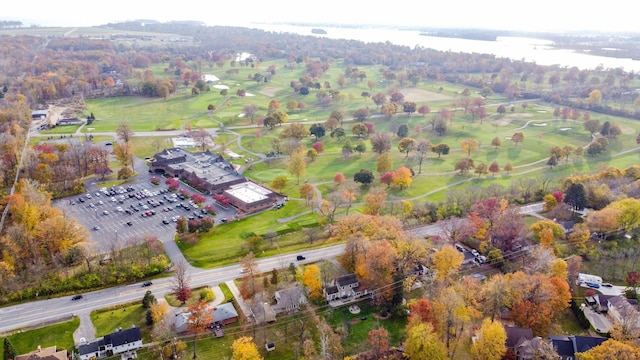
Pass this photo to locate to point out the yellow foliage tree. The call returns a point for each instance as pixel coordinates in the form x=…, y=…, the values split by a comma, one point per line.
x=423, y=344
x=446, y=262
x=158, y=310
x=245, y=349
x=490, y=344
x=402, y=177
x=558, y=268
x=311, y=279
x=611, y=350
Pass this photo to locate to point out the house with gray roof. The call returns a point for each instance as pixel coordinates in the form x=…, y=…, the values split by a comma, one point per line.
x=289, y=300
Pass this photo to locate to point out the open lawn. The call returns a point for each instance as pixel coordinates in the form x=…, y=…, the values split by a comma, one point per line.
x=108, y=320
x=357, y=326
x=60, y=335
x=224, y=244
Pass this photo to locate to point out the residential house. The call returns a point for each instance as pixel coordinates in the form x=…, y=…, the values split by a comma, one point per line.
x=48, y=353
x=261, y=313
x=342, y=287
x=289, y=300
x=121, y=342
x=469, y=258
x=568, y=346
x=621, y=310
x=517, y=337
x=223, y=314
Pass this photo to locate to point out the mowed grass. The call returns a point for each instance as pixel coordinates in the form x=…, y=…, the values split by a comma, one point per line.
x=60, y=335
x=107, y=321
x=223, y=245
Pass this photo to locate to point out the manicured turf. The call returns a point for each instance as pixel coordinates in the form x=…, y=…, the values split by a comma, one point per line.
x=107, y=321
x=60, y=335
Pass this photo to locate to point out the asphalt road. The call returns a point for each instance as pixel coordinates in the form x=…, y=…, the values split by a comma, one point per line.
x=42, y=312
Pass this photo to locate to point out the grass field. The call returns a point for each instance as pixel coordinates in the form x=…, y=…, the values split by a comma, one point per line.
x=60, y=335
x=107, y=321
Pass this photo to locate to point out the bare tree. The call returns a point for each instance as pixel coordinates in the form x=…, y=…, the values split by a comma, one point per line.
x=181, y=279
x=124, y=132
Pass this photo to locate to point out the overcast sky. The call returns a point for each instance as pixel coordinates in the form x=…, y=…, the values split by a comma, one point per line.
x=538, y=15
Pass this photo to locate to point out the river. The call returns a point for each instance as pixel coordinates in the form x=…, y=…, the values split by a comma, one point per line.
x=539, y=51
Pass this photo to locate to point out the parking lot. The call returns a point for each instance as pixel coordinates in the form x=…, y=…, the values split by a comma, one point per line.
x=116, y=215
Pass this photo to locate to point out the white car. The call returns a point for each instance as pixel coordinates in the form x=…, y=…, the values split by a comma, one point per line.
x=475, y=252
x=119, y=208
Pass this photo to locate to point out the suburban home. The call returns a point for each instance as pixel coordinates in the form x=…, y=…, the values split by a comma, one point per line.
x=289, y=300
x=223, y=314
x=48, y=353
x=342, y=287
x=121, y=342
x=518, y=339
x=621, y=309
x=261, y=313
x=568, y=346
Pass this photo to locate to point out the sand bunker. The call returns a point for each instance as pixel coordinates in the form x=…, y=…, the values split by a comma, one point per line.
x=221, y=87
x=564, y=129
x=542, y=124
x=270, y=91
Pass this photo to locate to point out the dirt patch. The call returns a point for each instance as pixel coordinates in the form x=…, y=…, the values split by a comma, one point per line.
x=420, y=95
x=507, y=119
x=270, y=91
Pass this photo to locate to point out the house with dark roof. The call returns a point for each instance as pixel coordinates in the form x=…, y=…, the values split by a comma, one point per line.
x=345, y=288
x=121, y=342
x=289, y=300
x=516, y=336
x=568, y=346
x=48, y=353
x=620, y=309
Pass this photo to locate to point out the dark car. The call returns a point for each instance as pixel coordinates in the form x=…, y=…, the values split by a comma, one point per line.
x=147, y=283
x=300, y=258
x=76, y=297
x=607, y=285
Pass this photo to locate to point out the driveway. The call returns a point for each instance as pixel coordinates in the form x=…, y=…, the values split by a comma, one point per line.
x=598, y=321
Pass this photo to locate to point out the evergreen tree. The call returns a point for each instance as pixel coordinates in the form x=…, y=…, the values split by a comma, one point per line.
x=9, y=351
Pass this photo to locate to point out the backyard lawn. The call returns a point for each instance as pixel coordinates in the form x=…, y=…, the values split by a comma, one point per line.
x=60, y=335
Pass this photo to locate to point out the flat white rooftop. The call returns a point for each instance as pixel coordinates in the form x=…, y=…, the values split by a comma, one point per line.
x=249, y=192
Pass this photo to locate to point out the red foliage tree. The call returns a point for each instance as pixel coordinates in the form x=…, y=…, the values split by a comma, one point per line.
x=633, y=279
x=339, y=178
x=558, y=195
x=198, y=198
x=387, y=178
x=172, y=183
x=221, y=199
x=422, y=311
x=371, y=127
x=537, y=317
x=318, y=146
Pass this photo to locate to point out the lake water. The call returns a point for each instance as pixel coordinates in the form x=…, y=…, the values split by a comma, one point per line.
x=517, y=48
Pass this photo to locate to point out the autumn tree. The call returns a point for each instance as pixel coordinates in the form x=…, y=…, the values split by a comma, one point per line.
x=180, y=286
x=610, y=350
x=297, y=166
x=469, y=145
x=124, y=153
x=307, y=192
x=378, y=340
x=604, y=221
x=374, y=200
x=124, y=132
x=422, y=148
x=384, y=163
x=375, y=269
x=494, y=168
x=481, y=169
x=423, y=344
x=490, y=341
x=517, y=138
x=546, y=232
x=245, y=349
x=380, y=142
x=311, y=279
x=440, y=149
x=200, y=317
x=279, y=183
x=496, y=142
x=446, y=263
x=402, y=177
x=295, y=130
x=464, y=165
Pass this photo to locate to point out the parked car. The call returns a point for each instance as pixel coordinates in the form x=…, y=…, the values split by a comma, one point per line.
x=76, y=297
x=593, y=285
x=607, y=285
x=300, y=258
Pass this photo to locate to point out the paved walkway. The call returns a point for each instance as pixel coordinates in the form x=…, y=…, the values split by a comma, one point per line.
x=238, y=298
x=86, y=330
